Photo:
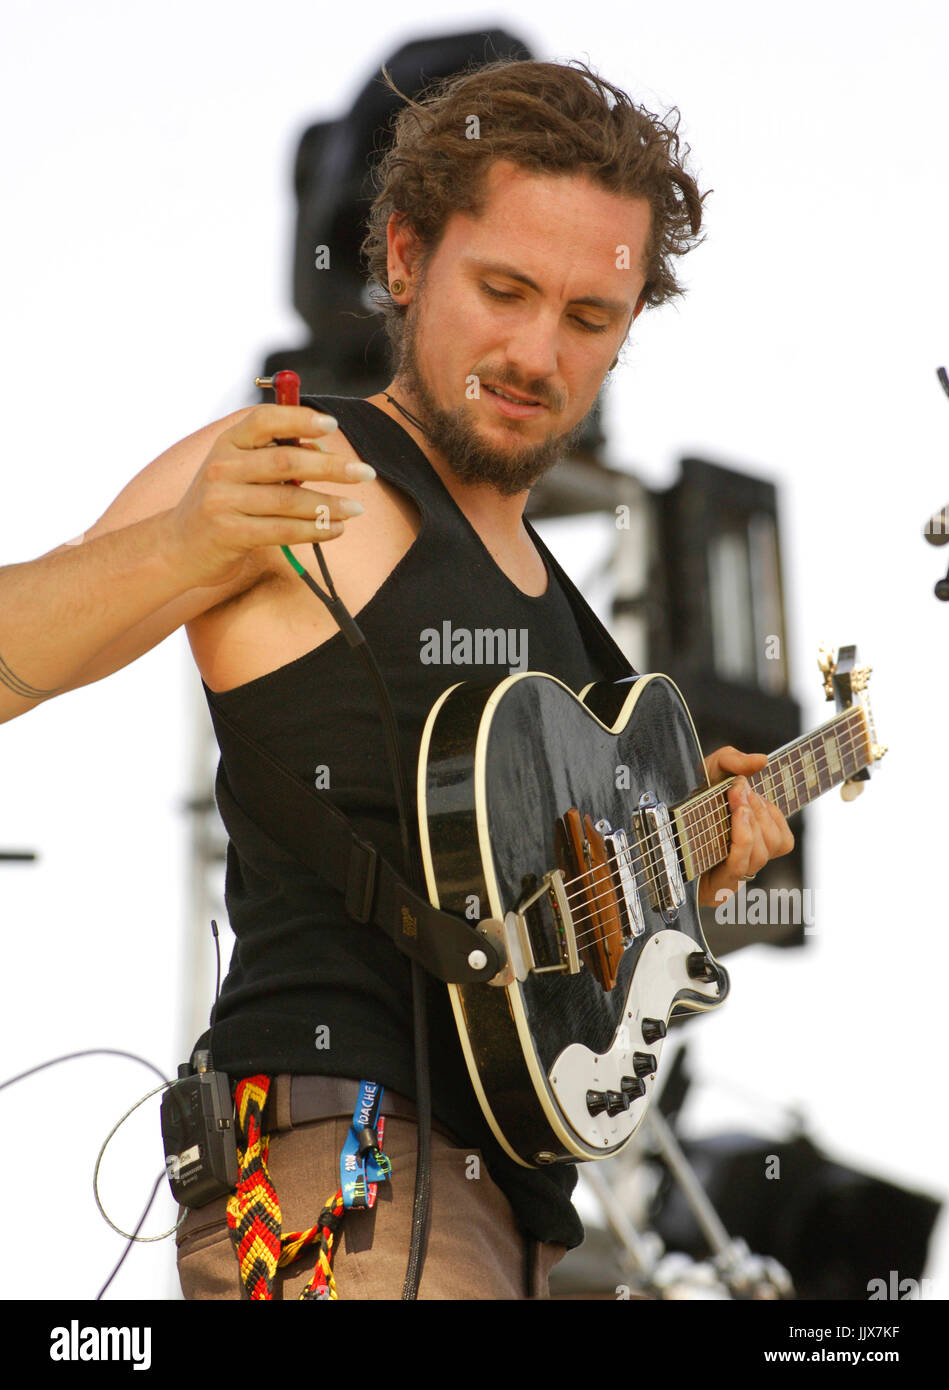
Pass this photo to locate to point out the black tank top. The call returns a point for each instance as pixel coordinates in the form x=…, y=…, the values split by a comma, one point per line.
x=308, y=989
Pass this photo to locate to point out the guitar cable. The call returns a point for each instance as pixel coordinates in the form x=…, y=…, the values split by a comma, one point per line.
x=421, y=1210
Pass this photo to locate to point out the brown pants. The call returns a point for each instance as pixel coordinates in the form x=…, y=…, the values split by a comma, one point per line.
x=476, y=1250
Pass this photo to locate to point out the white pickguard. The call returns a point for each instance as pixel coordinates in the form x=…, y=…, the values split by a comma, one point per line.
x=659, y=976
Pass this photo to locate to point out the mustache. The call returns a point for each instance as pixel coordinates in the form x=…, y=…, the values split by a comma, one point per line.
x=535, y=390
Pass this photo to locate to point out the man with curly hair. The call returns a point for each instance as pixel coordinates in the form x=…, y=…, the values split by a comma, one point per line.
x=526, y=214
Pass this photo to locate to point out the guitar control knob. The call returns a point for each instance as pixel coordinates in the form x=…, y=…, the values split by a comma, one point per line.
x=699, y=966
x=653, y=1029
x=616, y=1101
x=596, y=1102
x=633, y=1088
x=644, y=1063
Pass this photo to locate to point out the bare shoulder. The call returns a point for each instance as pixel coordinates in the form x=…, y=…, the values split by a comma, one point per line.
x=271, y=567
x=278, y=618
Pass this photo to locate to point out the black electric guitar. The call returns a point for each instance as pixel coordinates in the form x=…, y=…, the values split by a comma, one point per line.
x=574, y=831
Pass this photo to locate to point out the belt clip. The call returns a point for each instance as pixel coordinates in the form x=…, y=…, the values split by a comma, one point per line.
x=362, y=1164
x=368, y=1140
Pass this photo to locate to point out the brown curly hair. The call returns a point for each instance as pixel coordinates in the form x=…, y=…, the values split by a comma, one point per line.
x=548, y=117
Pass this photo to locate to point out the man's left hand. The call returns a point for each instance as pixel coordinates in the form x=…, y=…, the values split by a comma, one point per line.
x=759, y=831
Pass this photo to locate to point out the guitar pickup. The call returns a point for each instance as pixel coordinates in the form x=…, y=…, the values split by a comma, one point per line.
x=618, y=855
x=660, y=856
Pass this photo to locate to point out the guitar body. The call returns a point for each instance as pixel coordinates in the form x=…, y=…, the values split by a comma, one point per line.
x=563, y=1062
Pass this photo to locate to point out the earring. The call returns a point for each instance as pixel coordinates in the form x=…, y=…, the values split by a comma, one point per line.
x=397, y=287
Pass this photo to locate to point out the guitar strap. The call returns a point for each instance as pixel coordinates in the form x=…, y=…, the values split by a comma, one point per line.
x=597, y=640
x=323, y=839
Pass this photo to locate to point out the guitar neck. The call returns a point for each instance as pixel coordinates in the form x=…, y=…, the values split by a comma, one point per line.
x=796, y=774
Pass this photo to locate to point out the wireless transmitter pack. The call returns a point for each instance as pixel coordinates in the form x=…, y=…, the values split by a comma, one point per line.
x=197, y=1127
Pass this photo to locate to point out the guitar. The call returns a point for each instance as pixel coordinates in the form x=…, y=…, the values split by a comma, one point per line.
x=574, y=830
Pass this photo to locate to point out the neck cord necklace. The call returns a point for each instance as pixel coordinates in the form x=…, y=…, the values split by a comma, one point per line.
x=413, y=419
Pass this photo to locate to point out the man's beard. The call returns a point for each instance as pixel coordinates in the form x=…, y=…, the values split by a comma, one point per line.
x=451, y=432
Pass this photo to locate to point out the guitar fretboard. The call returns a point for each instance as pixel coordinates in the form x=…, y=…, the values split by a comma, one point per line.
x=793, y=776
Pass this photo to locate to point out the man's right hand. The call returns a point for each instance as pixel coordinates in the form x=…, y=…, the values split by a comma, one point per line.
x=239, y=500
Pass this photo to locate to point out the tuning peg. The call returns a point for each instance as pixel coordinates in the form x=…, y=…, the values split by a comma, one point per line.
x=877, y=750
x=859, y=677
x=827, y=664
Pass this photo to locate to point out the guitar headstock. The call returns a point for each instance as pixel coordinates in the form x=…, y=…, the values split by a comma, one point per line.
x=846, y=682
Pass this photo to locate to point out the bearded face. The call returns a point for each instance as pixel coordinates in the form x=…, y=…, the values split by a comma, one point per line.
x=509, y=467
x=514, y=319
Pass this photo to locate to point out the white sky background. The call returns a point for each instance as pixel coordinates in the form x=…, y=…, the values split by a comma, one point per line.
x=148, y=228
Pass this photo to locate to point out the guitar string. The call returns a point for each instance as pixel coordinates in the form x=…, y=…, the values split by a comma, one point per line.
x=713, y=827
x=711, y=819
x=709, y=813
x=717, y=836
x=641, y=861
x=710, y=816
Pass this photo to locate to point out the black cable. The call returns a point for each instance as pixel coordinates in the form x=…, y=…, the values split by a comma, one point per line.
x=358, y=643
x=421, y=1209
